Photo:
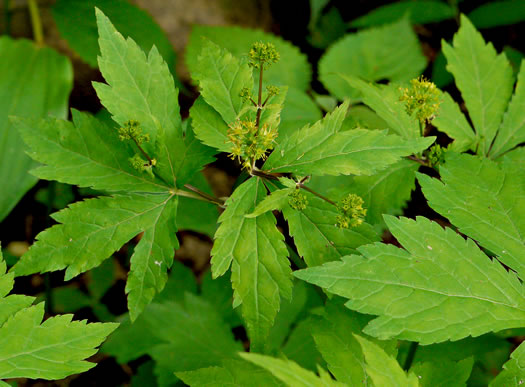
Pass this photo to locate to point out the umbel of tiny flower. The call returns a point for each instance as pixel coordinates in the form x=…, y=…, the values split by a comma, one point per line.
x=272, y=90
x=249, y=142
x=421, y=99
x=142, y=165
x=132, y=131
x=436, y=155
x=351, y=211
x=263, y=53
x=297, y=200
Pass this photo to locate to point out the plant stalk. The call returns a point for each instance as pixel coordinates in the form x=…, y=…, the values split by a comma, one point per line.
x=36, y=23
x=301, y=185
x=198, y=195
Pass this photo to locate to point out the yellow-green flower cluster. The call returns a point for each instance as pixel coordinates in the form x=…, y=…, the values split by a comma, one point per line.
x=263, y=53
x=436, y=155
x=249, y=142
x=142, y=165
x=297, y=200
x=421, y=99
x=351, y=211
x=132, y=131
x=272, y=90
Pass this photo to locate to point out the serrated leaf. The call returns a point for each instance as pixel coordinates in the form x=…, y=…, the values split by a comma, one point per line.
x=441, y=288
x=94, y=229
x=334, y=336
x=221, y=78
x=389, y=52
x=384, y=100
x=84, y=152
x=325, y=150
x=513, y=373
x=452, y=121
x=512, y=130
x=255, y=250
x=151, y=259
x=420, y=12
x=383, y=369
x=39, y=87
x=76, y=23
x=208, y=125
x=140, y=88
x=483, y=77
x=290, y=372
x=316, y=235
x=9, y=305
x=443, y=372
x=275, y=201
x=50, y=350
x=485, y=201
x=235, y=373
x=292, y=70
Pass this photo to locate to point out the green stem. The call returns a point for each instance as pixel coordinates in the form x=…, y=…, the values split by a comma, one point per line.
x=143, y=151
x=36, y=22
x=259, y=98
x=198, y=195
x=301, y=185
x=410, y=356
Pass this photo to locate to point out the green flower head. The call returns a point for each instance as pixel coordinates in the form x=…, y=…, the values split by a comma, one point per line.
x=421, y=99
x=297, y=200
x=351, y=211
x=263, y=53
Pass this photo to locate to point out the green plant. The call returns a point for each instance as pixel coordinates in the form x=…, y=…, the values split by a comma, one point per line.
x=332, y=181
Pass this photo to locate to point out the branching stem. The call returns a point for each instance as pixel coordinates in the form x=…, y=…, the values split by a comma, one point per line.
x=198, y=195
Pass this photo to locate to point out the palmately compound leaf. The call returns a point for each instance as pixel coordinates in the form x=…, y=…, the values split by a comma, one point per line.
x=388, y=52
x=316, y=235
x=53, y=349
x=255, y=250
x=384, y=370
x=94, y=229
x=275, y=201
x=323, y=149
x=85, y=152
x=484, y=79
x=441, y=287
x=486, y=201
x=290, y=372
x=512, y=130
x=141, y=88
x=45, y=92
x=513, y=373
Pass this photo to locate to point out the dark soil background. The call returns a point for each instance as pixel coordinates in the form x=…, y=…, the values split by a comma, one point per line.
x=289, y=19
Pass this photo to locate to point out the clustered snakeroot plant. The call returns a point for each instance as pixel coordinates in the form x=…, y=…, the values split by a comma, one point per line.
x=331, y=182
